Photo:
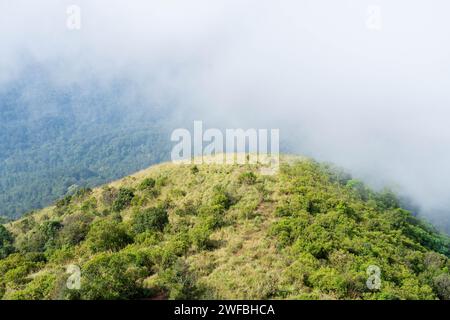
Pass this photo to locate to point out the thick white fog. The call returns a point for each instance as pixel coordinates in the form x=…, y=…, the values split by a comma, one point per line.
x=364, y=84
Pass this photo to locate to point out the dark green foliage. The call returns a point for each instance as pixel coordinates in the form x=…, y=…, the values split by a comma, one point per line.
x=110, y=276
x=50, y=229
x=41, y=237
x=40, y=288
x=178, y=282
x=71, y=136
x=107, y=235
x=151, y=219
x=194, y=169
x=75, y=228
x=359, y=189
x=221, y=198
x=420, y=232
x=387, y=199
x=15, y=268
x=200, y=236
x=147, y=184
x=123, y=199
x=247, y=178
x=6, y=242
x=442, y=286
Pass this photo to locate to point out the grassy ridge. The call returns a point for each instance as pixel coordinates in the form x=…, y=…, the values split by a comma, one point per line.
x=213, y=231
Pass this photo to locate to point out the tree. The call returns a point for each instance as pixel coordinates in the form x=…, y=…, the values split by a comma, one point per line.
x=147, y=184
x=442, y=286
x=75, y=228
x=123, y=200
x=106, y=235
x=152, y=219
x=6, y=242
x=112, y=276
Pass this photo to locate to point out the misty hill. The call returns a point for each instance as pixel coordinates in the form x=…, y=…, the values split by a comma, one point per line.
x=54, y=136
x=220, y=231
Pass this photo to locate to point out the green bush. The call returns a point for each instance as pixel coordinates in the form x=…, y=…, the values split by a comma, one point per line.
x=6, y=242
x=328, y=280
x=212, y=216
x=441, y=284
x=194, y=169
x=221, y=198
x=75, y=228
x=40, y=238
x=147, y=184
x=40, y=288
x=178, y=282
x=50, y=230
x=247, y=178
x=109, y=276
x=151, y=219
x=15, y=268
x=107, y=235
x=200, y=236
x=123, y=199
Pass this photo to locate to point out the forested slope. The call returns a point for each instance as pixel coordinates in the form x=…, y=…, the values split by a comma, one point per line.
x=54, y=136
x=221, y=231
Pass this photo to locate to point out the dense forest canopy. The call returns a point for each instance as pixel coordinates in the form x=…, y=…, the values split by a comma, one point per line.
x=53, y=137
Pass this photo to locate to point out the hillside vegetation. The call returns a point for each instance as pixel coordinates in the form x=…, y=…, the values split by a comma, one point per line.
x=68, y=136
x=225, y=231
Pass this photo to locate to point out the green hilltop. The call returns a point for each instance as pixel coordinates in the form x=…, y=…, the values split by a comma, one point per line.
x=212, y=231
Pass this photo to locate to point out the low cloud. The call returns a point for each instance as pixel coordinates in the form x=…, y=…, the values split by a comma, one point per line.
x=373, y=100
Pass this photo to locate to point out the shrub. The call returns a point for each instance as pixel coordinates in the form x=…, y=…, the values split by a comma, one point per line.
x=111, y=276
x=152, y=219
x=89, y=205
x=188, y=208
x=107, y=235
x=62, y=205
x=15, y=268
x=40, y=238
x=212, y=216
x=178, y=282
x=109, y=195
x=247, y=178
x=221, y=198
x=50, y=229
x=328, y=280
x=6, y=242
x=123, y=199
x=40, y=288
x=194, y=169
x=441, y=284
x=75, y=228
x=82, y=192
x=147, y=184
x=200, y=236
x=33, y=241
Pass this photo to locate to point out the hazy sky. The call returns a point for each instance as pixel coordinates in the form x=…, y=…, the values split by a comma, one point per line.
x=364, y=84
